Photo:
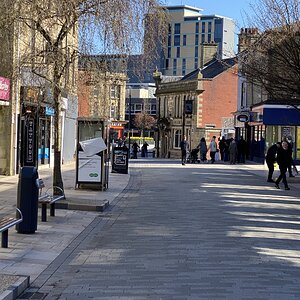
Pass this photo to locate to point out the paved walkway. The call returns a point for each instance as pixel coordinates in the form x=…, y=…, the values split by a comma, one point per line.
x=184, y=232
x=29, y=255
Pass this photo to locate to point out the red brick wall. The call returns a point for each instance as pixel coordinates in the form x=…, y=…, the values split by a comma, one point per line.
x=84, y=92
x=219, y=98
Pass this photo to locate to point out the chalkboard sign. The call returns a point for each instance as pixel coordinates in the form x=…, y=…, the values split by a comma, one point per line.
x=120, y=160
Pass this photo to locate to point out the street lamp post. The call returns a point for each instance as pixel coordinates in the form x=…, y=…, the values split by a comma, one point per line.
x=129, y=118
x=157, y=78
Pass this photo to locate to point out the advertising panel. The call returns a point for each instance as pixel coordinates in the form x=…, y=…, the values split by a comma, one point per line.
x=90, y=160
x=4, y=90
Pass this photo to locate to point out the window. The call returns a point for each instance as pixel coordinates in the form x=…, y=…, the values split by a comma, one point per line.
x=177, y=138
x=202, y=37
x=178, y=52
x=209, y=26
x=115, y=91
x=196, y=63
x=197, y=27
x=183, y=66
x=169, y=40
x=209, y=38
x=196, y=51
x=153, y=109
x=184, y=40
x=196, y=39
x=167, y=64
x=169, y=52
x=137, y=108
x=177, y=28
x=203, y=27
x=174, y=66
x=176, y=40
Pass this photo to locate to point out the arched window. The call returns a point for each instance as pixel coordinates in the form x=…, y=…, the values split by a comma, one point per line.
x=177, y=138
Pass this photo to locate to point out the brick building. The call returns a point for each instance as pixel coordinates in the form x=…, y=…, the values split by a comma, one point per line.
x=195, y=105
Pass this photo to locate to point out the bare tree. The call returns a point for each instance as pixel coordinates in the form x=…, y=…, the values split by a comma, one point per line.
x=144, y=121
x=272, y=60
x=52, y=33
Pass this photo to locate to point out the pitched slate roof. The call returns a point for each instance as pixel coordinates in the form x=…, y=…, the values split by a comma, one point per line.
x=212, y=69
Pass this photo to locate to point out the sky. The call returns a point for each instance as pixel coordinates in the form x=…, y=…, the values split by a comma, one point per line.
x=234, y=9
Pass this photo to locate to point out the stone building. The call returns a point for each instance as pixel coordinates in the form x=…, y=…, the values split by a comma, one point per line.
x=27, y=60
x=102, y=93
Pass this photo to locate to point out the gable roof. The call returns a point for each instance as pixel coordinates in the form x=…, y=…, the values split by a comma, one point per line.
x=212, y=69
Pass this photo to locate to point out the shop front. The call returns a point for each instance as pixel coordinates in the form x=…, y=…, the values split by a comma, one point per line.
x=278, y=121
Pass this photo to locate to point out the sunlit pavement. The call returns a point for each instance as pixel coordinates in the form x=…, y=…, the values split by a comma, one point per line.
x=185, y=232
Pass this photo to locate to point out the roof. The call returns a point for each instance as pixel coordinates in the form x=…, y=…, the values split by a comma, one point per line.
x=212, y=69
x=179, y=7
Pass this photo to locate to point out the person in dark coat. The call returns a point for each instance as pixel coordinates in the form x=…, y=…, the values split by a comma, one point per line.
x=242, y=150
x=184, y=146
x=283, y=160
x=290, y=150
x=135, y=149
x=271, y=159
x=222, y=146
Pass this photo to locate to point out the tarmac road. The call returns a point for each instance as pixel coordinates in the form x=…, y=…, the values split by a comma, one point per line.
x=184, y=232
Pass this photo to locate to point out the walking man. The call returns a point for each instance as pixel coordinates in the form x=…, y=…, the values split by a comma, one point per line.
x=283, y=160
x=271, y=159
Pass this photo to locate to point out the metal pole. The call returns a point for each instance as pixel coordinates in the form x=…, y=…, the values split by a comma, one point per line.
x=129, y=119
x=183, y=119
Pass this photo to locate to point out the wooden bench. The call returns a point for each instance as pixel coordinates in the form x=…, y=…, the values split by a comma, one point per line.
x=6, y=223
x=46, y=198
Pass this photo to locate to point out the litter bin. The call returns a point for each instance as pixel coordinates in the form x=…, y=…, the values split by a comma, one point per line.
x=27, y=200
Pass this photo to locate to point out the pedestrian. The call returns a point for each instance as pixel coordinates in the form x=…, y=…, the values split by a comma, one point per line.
x=242, y=150
x=213, y=149
x=290, y=151
x=184, y=146
x=233, y=152
x=135, y=148
x=271, y=159
x=283, y=160
x=222, y=147
x=203, y=149
x=145, y=148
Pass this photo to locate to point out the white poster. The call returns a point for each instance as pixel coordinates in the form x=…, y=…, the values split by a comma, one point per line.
x=89, y=170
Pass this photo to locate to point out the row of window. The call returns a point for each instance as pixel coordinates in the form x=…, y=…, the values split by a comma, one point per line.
x=139, y=107
x=205, y=27
x=183, y=66
x=199, y=39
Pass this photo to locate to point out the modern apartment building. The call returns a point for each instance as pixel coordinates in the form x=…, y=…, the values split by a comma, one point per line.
x=194, y=39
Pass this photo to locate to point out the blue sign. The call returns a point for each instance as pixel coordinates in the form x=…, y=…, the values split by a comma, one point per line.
x=49, y=111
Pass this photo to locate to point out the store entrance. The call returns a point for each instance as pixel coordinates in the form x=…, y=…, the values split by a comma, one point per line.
x=44, y=141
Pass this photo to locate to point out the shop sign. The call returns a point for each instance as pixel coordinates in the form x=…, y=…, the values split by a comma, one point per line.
x=30, y=142
x=188, y=107
x=243, y=118
x=49, y=111
x=4, y=88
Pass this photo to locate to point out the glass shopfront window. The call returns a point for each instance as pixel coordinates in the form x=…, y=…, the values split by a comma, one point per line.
x=298, y=143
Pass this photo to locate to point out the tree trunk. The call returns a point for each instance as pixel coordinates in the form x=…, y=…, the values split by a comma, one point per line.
x=57, y=176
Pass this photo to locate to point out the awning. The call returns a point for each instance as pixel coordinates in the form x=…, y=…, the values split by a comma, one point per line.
x=281, y=115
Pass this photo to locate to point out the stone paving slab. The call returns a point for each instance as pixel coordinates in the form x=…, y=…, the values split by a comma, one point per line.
x=30, y=254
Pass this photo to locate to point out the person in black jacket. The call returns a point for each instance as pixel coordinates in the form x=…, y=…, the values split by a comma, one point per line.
x=290, y=150
x=283, y=160
x=184, y=146
x=271, y=159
